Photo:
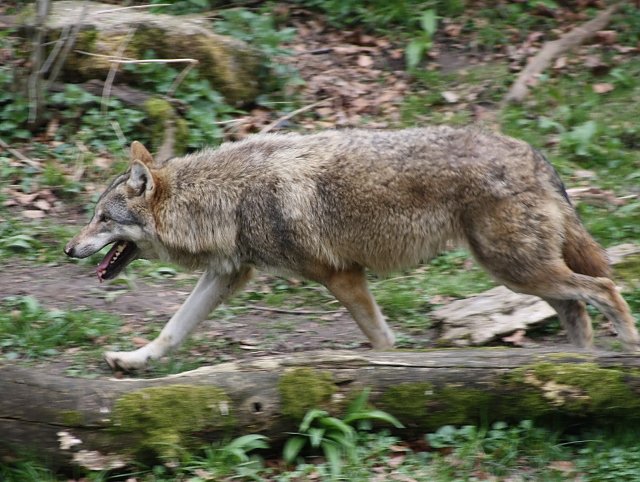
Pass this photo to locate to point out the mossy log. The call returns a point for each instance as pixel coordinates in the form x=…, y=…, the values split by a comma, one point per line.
x=230, y=65
x=103, y=423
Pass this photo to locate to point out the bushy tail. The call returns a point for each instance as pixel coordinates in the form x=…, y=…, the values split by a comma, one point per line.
x=581, y=252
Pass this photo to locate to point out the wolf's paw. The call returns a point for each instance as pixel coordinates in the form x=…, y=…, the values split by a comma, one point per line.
x=125, y=360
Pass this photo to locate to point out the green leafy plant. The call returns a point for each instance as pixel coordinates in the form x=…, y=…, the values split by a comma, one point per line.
x=580, y=139
x=335, y=438
x=259, y=30
x=232, y=458
x=503, y=445
x=419, y=46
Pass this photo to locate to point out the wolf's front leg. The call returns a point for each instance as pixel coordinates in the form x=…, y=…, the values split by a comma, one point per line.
x=211, y=290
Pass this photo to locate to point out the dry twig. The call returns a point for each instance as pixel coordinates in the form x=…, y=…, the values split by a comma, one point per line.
x=20, y=156
x=551, y=50
x=293, y=114
x=68, y=45
x=36, y=93
x=113, y=69
x=293, y=312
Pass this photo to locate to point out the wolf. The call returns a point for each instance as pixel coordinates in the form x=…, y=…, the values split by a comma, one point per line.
x=331, y=205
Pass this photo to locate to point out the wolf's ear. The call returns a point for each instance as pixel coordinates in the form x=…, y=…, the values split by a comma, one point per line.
x=140, y=180
x=140, y=153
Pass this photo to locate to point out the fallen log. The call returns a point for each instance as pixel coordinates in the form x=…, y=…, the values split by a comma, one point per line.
x=107, y=423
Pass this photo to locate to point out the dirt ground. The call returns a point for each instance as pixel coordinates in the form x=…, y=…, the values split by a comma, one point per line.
x=145, y=307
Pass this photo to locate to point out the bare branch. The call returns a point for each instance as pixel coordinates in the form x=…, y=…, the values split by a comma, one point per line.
x=293, y=114
x=106, y=91
x=36, y=97
x=20, y=156
x=131, y=8
x=68, y=45
x=58, y=44
x=551, y=50
x=181, y=77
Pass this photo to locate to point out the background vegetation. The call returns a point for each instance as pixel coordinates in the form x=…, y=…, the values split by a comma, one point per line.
x=438, y=62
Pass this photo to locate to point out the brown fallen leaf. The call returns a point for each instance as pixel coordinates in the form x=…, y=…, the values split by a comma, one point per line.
x=42, y=205
x=396, y=461
x=516, y=339
x=365, y=61
x=23, y=198
x=608, y=37
x=453, y=30
x=450, y=97
x=33, y=214
x=565, y=466
x=602, y=88
x=597, y=195
x=402, y=477
x=596, y=65
x=560, y=63
x=398, y=448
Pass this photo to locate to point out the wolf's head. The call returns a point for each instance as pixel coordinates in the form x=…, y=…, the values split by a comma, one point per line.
x=122, y=217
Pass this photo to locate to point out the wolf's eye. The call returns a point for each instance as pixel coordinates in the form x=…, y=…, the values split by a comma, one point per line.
x=103, y=218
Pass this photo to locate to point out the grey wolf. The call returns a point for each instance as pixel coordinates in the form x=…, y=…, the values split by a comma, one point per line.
x=331, y=205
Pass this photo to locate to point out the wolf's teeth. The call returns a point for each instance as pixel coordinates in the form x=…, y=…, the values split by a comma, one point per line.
x=118, y=251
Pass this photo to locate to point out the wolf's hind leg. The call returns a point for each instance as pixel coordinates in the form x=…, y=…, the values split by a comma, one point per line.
x=523, y=242
x=575, y=319
x=350, y=288
x=209, y=292
x=562, y=285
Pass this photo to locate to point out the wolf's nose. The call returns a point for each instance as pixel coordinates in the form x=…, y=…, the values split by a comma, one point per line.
x=68, y=251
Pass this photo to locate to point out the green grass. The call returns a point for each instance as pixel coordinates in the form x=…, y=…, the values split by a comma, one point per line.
x=29, y=331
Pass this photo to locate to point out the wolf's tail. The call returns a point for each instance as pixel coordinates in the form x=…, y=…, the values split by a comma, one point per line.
x=580, y=251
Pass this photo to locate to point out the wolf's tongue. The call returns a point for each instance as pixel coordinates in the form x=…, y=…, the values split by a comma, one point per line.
x=107, y=259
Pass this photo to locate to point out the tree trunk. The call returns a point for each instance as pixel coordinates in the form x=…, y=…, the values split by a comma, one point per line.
x=106, y=423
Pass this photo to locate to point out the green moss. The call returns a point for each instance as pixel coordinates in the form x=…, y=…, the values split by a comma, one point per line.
x=182, y=136
x=160, y=111
x=86, y=39
x=566, y=388
x=27, y=15
x=231, y=68
x=161, y=419
x=302, y=389
x=583, y=389
x=71, y=418
x=424, y=406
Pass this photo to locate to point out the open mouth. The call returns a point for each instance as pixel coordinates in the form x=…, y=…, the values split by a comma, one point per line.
x=120, y=255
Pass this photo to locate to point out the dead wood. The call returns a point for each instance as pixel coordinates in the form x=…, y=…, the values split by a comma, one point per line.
x=538, y=63
x=103, y=423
